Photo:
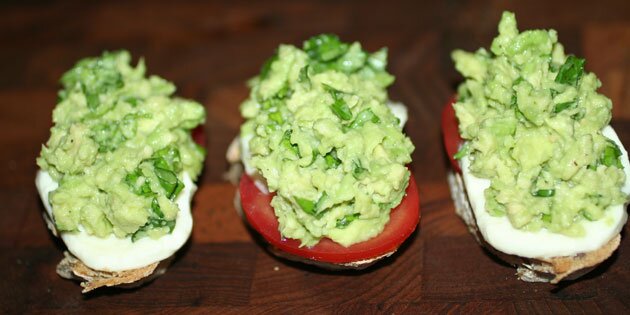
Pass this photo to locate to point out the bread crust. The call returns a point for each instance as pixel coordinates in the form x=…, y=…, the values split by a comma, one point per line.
x=70, y=267
x=552, y=270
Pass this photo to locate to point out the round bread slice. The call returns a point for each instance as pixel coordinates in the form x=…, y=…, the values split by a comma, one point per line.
x=126, y=274
x=553, y=269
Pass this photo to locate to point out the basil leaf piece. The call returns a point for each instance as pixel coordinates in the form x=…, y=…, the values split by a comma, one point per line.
x=325, y=47
x=331, y=159
x=363, y=117
x=562, y=106
x=358, y=170
x=307, y=205
x=544, y=193
x=346, y=220
x=341, y=109
x=169, y=181
x=571, y=71
x=266, y=67
x=463, y=151
x=611, y=154
x=152, y=223
x=286, y=143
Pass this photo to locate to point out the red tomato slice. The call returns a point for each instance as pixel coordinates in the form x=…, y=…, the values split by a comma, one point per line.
x=402, y=222
x=199, y=136
x=450, y=133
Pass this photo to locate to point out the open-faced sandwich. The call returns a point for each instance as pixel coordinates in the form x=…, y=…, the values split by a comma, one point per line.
x=541, y=179
x=324, y=156
x=116, y=176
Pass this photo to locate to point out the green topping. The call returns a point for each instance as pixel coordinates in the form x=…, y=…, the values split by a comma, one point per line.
x=339, y=106
x=304, y=77
x=286, y=143
x=118, y=149
x=463, y=151
x=544, y=193
x=152, y=225
x=363, y=117
x=562, y=106
x=341, y=109
x=611, y=155
x=325, y=47
x=571, y=71
x=331, y=159
x=264, y=71
x=307, y=205
x=533, y=124
x=329, y=146
x=343, y=222
x=95, y=77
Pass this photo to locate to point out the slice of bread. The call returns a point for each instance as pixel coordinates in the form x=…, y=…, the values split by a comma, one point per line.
x=73, y=268
x=553, y=269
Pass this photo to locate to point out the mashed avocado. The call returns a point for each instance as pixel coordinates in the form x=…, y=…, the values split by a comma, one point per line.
x=118, y=148
x=532, y=120
x=320, y=133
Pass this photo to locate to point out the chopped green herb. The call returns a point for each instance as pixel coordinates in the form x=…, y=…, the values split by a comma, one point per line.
x=324, y=47
x=169, y=181
x=571, y=71
x=546, y=218
x=341, y=109
x=587, y=215
x=363, y=117
x=346, y=220
x=358, y=169
x=286, y=143
x=95, y=77
x=303, y=76
x=307, y=205
x=152, y=223
x=155, y=206
x=266, y=67
x=611, y=154
x=331, y=159
x=463, y=151
x=544, y=193
x=276, y=117
x=562, y=106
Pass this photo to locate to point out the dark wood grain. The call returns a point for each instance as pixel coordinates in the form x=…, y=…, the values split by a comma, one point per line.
x=209, y=49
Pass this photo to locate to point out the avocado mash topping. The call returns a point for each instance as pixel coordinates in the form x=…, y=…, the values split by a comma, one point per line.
x=533, y=123
x=118, y=148
x=320, y=133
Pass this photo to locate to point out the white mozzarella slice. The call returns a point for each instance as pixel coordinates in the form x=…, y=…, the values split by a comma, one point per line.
x=500, y=234
x=399, y=110
x=117, y=254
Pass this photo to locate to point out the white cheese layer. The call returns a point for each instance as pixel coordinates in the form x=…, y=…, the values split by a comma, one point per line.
x=500, y=234
x=117, y=254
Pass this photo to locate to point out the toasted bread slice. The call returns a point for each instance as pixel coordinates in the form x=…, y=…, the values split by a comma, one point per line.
x=553, y=269
x=72, y=268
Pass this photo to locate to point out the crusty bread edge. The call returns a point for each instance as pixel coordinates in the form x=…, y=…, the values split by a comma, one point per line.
x=552, y=270
x=70, y=267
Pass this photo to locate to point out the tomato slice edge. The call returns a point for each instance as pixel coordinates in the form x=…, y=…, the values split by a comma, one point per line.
x=450, y=133
x=403, y=221
x=198, y=135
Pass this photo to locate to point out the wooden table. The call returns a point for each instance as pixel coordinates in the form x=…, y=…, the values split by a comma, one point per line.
x=209, y=49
